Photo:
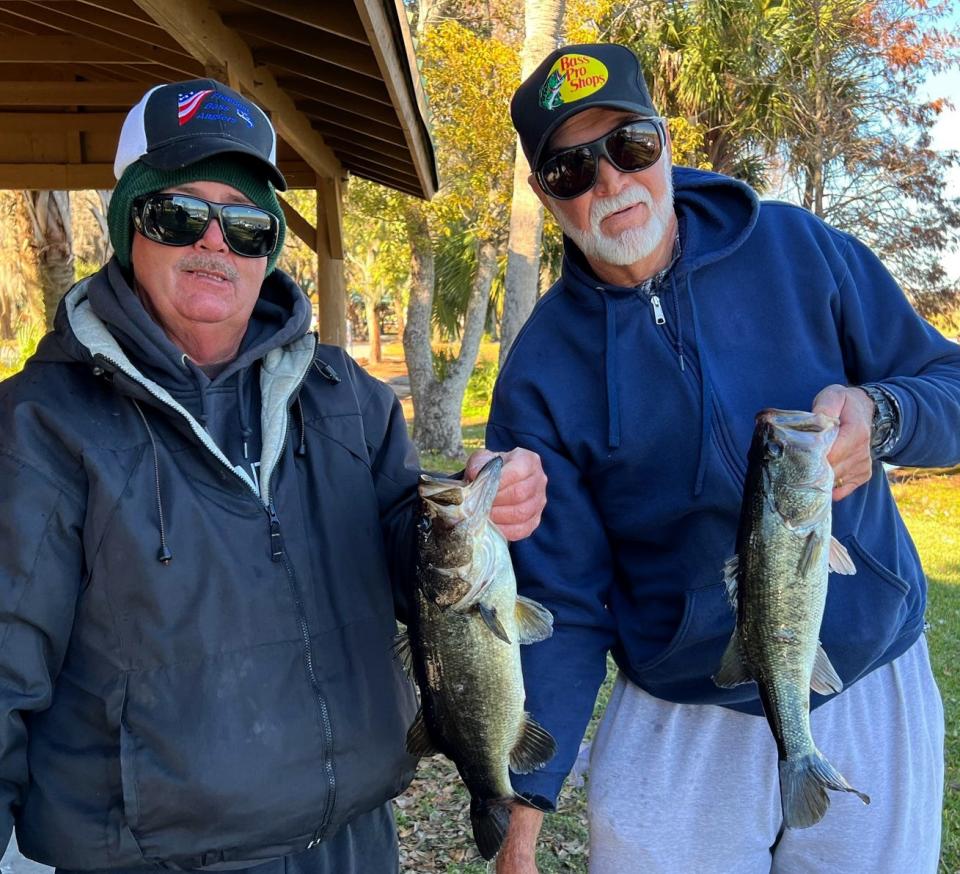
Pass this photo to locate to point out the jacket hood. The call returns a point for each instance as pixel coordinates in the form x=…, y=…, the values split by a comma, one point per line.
x=715, y=215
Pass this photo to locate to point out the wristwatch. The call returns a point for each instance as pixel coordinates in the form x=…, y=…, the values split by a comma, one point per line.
x=885, y=429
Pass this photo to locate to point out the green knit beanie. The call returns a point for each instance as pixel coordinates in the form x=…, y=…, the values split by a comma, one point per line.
x=139, y=179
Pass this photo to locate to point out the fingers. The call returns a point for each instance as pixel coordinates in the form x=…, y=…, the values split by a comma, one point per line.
x=522, y=494
x=850, y=454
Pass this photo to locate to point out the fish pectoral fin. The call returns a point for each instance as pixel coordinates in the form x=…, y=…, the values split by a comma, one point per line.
x=489, y=616
x=535, y=622
x=419, y=743
x=534, y=748
x=840, y=561
x=730, y=568
x=812, y=550
x=403, y=652
x=733, y=670
x=824, y=678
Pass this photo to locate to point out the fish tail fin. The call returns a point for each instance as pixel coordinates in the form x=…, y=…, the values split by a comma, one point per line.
x=490, y=818
x=803, y=785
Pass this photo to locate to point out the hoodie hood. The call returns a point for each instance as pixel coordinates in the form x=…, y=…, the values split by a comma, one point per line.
x=715, y=214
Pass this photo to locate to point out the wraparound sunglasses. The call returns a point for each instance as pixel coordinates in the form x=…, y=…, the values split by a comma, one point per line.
x=182, y=219
x=631, y=147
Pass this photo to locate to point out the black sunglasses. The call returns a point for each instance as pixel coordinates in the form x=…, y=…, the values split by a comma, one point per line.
x=631, y=147
x=181, y=220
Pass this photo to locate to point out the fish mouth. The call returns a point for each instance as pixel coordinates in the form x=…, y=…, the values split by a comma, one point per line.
x=457, y=501
x=797, y=420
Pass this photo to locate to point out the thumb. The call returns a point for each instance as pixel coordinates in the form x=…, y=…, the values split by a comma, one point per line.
x=475, y=463
x=830, y=400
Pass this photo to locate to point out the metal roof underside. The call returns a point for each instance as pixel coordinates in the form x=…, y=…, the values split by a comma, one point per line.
x=339, y=80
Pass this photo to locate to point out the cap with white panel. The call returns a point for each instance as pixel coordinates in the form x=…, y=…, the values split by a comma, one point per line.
x=180, y=123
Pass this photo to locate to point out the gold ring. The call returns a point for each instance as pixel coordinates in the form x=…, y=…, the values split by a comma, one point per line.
x=839, y=483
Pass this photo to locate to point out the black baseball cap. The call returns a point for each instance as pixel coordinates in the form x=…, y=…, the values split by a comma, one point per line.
x=180, y=123
x=570, y=80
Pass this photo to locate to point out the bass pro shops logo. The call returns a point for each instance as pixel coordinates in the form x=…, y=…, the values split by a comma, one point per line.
x=572, y=77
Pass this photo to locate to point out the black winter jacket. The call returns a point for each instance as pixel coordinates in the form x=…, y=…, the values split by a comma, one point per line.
x=240, y=702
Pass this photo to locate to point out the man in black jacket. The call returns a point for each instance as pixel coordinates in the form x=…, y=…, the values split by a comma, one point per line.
x=205, y=520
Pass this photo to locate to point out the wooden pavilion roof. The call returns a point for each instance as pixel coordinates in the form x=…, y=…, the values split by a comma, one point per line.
x=338, y=78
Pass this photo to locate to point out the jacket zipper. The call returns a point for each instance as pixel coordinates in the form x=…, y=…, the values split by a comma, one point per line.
x=658, y=315
x=278, y=554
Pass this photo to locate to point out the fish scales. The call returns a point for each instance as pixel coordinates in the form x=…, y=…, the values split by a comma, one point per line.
x=465, y=636
x=779, y=576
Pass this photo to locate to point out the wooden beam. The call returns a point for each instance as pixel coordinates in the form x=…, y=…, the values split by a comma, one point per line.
x=64, y=177
x=386, y=171
x=70, y=93
x=61, y=122
x=65, y=50
x=326, y=74
x=79, y=19
x=366, y=149
x=197, y=26
x=306, y=41
x=369, y=129
x=352, y=118
x=298, y=224
x=330, y=192
x=338, y=101
x=336, y=18
x=331, y=285
x=399, y=70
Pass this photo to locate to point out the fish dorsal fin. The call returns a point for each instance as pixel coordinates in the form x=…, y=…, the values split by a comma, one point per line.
x=733, y=670
x=402, y=651
x=840, y=561
x=534, y=748
x=492, y=620
x=534, y=620
x=812, y=550
x=419, y=743
x=824, y=679
x=730, y=568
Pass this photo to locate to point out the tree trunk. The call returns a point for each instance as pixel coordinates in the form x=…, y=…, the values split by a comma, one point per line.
x=437, y=425
x=437, y=403
x=373, y=330
x=49, y=213
x=542, y=23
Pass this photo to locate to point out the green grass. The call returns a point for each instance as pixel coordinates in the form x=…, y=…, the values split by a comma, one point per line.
x=931, y=508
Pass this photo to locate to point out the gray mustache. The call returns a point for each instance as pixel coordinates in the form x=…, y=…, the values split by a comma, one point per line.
x=210, y=264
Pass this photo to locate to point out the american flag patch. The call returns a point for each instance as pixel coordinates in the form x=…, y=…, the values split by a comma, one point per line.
x=189, y=103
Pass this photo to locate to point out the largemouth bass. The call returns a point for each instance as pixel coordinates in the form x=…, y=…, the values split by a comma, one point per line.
x=466, y=628
x=778, y=585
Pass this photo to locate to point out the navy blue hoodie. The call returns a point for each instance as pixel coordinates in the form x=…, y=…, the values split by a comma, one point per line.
x=643, y=429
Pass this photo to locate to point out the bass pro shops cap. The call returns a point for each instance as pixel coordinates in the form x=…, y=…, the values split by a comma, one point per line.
x=181, y=123
x=570, y=80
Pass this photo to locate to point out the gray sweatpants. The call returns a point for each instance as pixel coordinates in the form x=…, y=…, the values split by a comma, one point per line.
x=692, y=789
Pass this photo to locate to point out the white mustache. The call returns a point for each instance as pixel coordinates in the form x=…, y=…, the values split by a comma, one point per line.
x=631, y=196
x=208, y=264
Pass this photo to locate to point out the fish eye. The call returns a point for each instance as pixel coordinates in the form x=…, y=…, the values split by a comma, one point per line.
x=774, y=450
x=424, y=524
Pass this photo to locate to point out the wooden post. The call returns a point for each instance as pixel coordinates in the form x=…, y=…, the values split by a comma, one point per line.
x=331, y=287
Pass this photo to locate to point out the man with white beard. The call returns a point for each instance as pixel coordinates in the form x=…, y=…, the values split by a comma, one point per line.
x=685, y=306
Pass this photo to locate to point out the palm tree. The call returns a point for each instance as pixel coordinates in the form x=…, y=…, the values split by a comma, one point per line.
x=49, y=214
x=542, y=25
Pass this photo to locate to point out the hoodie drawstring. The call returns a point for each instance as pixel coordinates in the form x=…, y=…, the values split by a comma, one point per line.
x=164, y=555
x=246, y=432
x=676, y=313
x=706, y=395
x=613, y=401
x=302, y=448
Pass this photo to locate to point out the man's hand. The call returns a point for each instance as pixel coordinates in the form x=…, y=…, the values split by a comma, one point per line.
x=850, y=455
x=522, y=494
x=518, y=853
